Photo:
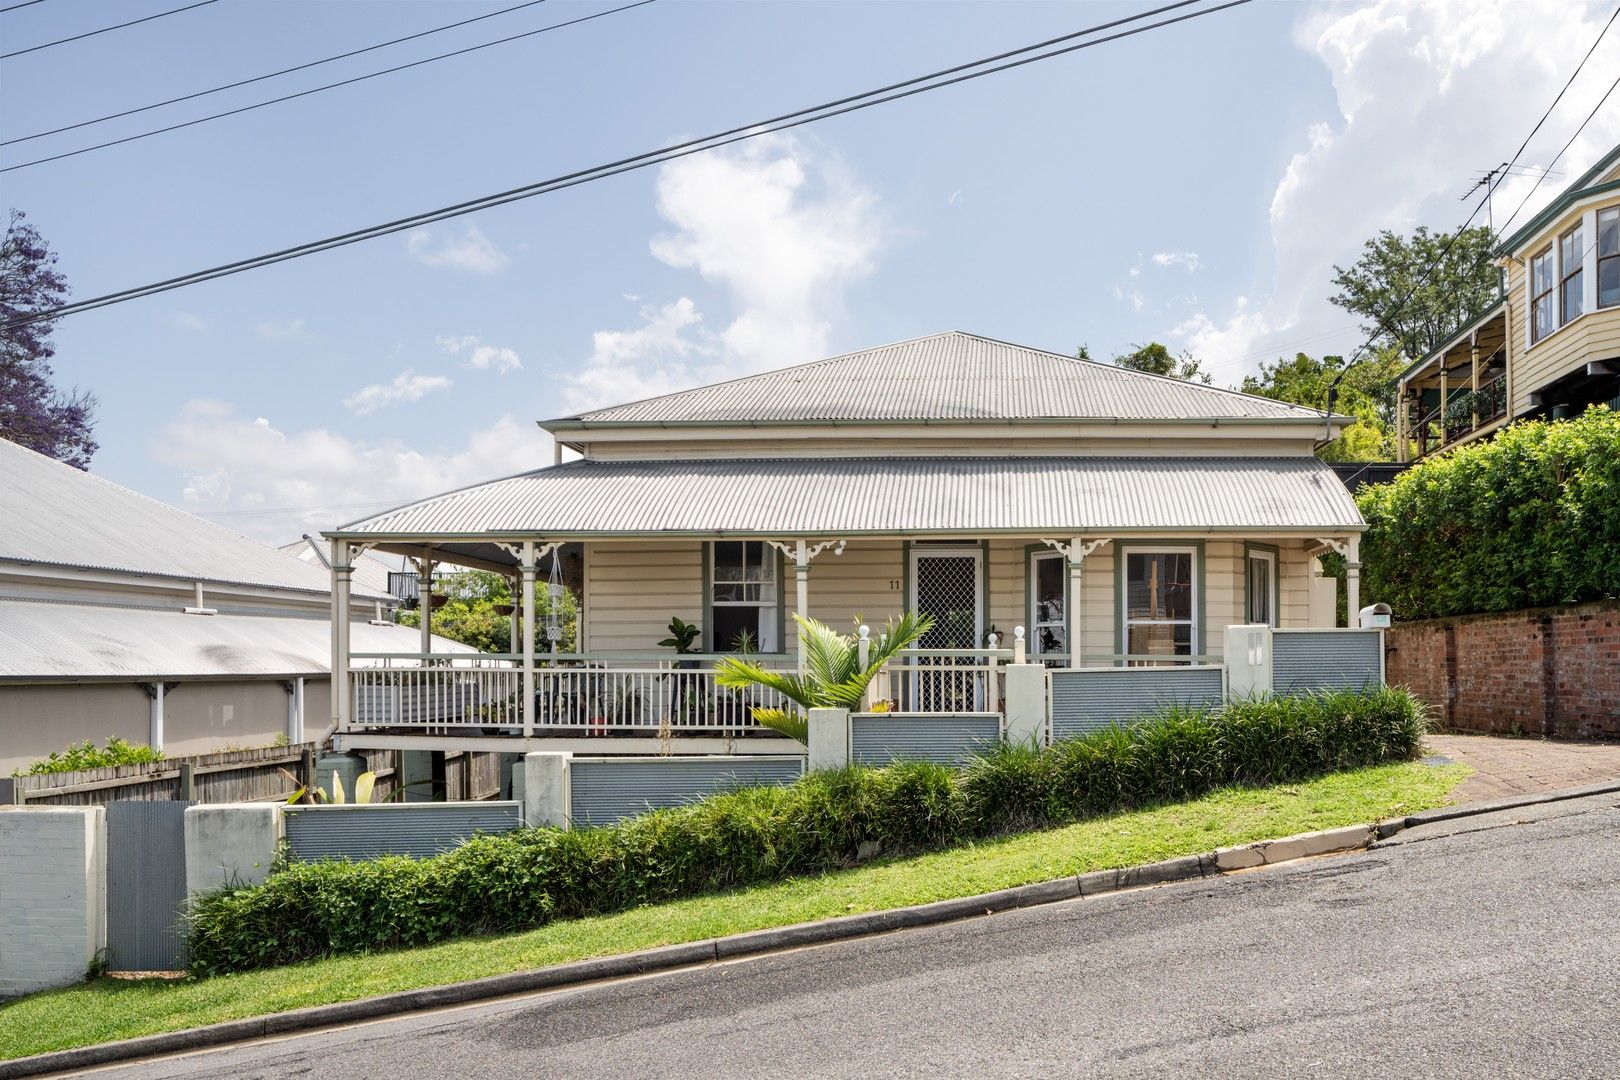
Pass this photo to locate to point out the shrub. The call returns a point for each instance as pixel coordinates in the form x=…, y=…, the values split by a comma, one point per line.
x=751, y=836
x=1528, y=519
x=85, y=755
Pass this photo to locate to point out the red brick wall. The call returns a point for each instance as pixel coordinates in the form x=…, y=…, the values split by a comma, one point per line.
x=1546, y=671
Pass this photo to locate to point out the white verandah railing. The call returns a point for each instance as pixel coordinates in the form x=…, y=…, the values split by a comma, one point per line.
x=626, y=693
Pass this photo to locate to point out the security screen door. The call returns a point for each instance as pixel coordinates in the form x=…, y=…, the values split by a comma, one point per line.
x=946, y=584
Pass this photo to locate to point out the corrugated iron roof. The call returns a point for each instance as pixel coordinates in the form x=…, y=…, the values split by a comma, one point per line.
x=952, y=376
x=371, y=568
x=44, y=640
x=854, y=496
x=55, y=514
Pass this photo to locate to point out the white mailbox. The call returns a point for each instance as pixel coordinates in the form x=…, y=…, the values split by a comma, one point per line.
x=1375, y=617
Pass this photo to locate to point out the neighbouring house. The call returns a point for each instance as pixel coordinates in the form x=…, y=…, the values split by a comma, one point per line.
x=122, y=616
x=374, y=573
x=1549, y=347
x=1113, y=518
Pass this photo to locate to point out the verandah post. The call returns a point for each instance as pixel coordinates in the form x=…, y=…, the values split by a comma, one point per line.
x=340, y=635
x=424, y=605
x=528, y=638
x=1077, y=556
x=1352, y=580
x=801, y=572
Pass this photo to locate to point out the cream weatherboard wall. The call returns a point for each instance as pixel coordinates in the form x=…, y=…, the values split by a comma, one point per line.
x=633, y=588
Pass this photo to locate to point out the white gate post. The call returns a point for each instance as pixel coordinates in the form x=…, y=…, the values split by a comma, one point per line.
x=1352, y=580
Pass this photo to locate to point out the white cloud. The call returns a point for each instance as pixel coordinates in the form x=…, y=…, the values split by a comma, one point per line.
x=1134, y=297
x=480, y=355
x=406, y=386
x=1187, y=259
x=312, y=479
x=189, y=322
x=782, y=229
x=281, y=331
x=473, y=251
x=956, y=197
x=1422, y=104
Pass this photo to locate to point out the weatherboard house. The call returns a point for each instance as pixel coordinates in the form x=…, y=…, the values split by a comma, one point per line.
x=1087, y=515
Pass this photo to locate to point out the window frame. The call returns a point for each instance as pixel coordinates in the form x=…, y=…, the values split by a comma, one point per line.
x=1613, y=256
x=1273, y=557
x=1538, y=331
x=1122, y=621
x=1571, y=281
x=775, y=604
x=1035, y=554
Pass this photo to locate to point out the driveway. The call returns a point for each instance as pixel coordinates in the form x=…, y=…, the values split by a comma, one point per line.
x=1504, y=766
x=1478, y=947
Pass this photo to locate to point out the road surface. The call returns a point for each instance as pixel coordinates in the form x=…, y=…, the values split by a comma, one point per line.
x=1480, y=948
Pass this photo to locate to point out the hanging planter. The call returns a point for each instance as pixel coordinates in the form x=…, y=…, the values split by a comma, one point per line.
x=437, y=601
x=504, y=609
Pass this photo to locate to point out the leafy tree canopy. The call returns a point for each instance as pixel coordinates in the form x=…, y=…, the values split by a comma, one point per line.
x=33, y=413
x=470, y=615
x=1157, y=359
x=1367, y=392
x=1403, y=309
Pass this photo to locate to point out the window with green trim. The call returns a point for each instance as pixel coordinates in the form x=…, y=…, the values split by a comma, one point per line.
x=1160, y=609
x=742, y=596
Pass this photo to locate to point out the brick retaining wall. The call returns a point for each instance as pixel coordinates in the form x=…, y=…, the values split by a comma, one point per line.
x=1543, y=671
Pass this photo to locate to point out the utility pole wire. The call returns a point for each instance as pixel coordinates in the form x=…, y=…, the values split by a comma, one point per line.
x=25, y=3
x=104, y=29
x=852, y=103
x=268, y=75
x=327, y=86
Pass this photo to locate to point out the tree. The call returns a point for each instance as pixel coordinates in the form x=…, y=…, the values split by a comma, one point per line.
x=1403, y=309
x=1157, y=359
x=1366, y=392
x=469, y=615
x=33, y=413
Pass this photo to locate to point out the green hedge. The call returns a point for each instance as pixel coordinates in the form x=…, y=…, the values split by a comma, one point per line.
x=86, y=755
x=533, y=876
x=1527, y=519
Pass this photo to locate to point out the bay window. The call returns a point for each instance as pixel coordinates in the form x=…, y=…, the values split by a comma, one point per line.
x=744, y=596
x=1159, y=613
x=1608, y=257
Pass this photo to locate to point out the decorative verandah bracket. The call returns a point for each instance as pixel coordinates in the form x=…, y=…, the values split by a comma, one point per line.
x=528, y=554
x=801, y=552
x=1075, y=550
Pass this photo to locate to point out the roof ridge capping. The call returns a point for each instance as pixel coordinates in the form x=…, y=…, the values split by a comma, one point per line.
x=1108, y=393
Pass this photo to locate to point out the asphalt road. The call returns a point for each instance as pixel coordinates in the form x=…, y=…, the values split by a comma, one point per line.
x=1488, y=947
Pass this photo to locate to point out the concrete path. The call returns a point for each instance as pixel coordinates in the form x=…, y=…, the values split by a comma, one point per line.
x=1505, y=766
x=1478, y=947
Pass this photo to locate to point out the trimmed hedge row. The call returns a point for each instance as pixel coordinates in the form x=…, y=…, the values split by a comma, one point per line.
x=531, y=877
x=1529, y=519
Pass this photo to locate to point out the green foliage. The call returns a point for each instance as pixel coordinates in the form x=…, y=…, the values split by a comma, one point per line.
x=681, y=635
x=1408, y=296
x=753, y=836
x=1157, y=359
x=86, y=755
x=1528, y=519
x=470, y=616
x=833, y=676
x=1366, y=392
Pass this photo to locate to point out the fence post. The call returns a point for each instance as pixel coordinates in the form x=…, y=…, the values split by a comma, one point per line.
x=541, y=784
x=829, y=738
x=1247, y=658
x=187, y=782
x=230, y=844
x=993, y=702
x=1026, y=704
x=865, y=657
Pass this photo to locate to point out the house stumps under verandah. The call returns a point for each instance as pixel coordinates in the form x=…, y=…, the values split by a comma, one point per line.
x=1135, y=562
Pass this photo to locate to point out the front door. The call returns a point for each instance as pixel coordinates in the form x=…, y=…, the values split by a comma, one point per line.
x=947, y=583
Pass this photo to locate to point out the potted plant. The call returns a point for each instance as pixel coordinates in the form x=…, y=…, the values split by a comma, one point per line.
x=681, y=637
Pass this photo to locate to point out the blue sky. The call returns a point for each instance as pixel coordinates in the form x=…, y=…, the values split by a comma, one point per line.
x=1192, y=185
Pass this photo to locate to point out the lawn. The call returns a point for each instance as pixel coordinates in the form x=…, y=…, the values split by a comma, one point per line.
x=107, y=1009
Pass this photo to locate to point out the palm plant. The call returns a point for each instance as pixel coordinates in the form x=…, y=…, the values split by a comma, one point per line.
x=833, y=677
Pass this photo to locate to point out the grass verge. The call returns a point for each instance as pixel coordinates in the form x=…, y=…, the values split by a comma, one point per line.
x=103, y=1010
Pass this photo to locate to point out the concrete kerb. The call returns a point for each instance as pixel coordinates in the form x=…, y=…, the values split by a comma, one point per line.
x=673, y=957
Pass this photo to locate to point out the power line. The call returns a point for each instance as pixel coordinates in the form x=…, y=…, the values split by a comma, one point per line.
x=1589, y=117
x=104, y=29
x=25, y=3
x=959, y=73
x=1383, y=326
x=269, y=75
x=327, y=86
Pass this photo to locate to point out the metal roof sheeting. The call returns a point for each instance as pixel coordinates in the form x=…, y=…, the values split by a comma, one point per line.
x=55, y=514
x=42, y=640
x=852, y=496
x=946, y=377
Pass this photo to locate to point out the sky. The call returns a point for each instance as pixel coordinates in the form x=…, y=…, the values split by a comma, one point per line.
x=1194, y=185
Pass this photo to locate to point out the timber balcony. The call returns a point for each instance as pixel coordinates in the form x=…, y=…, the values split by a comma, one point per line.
x=628, y=695
x=1465, y=413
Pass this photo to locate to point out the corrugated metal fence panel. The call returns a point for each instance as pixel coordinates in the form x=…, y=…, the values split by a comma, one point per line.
x=415, y=829
x=946, y=738
x=602, y=792
x=1088, y=700
x=146, y=885
x=1326, y=660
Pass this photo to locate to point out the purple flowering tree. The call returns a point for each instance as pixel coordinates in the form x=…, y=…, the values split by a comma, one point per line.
x=33, y=412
